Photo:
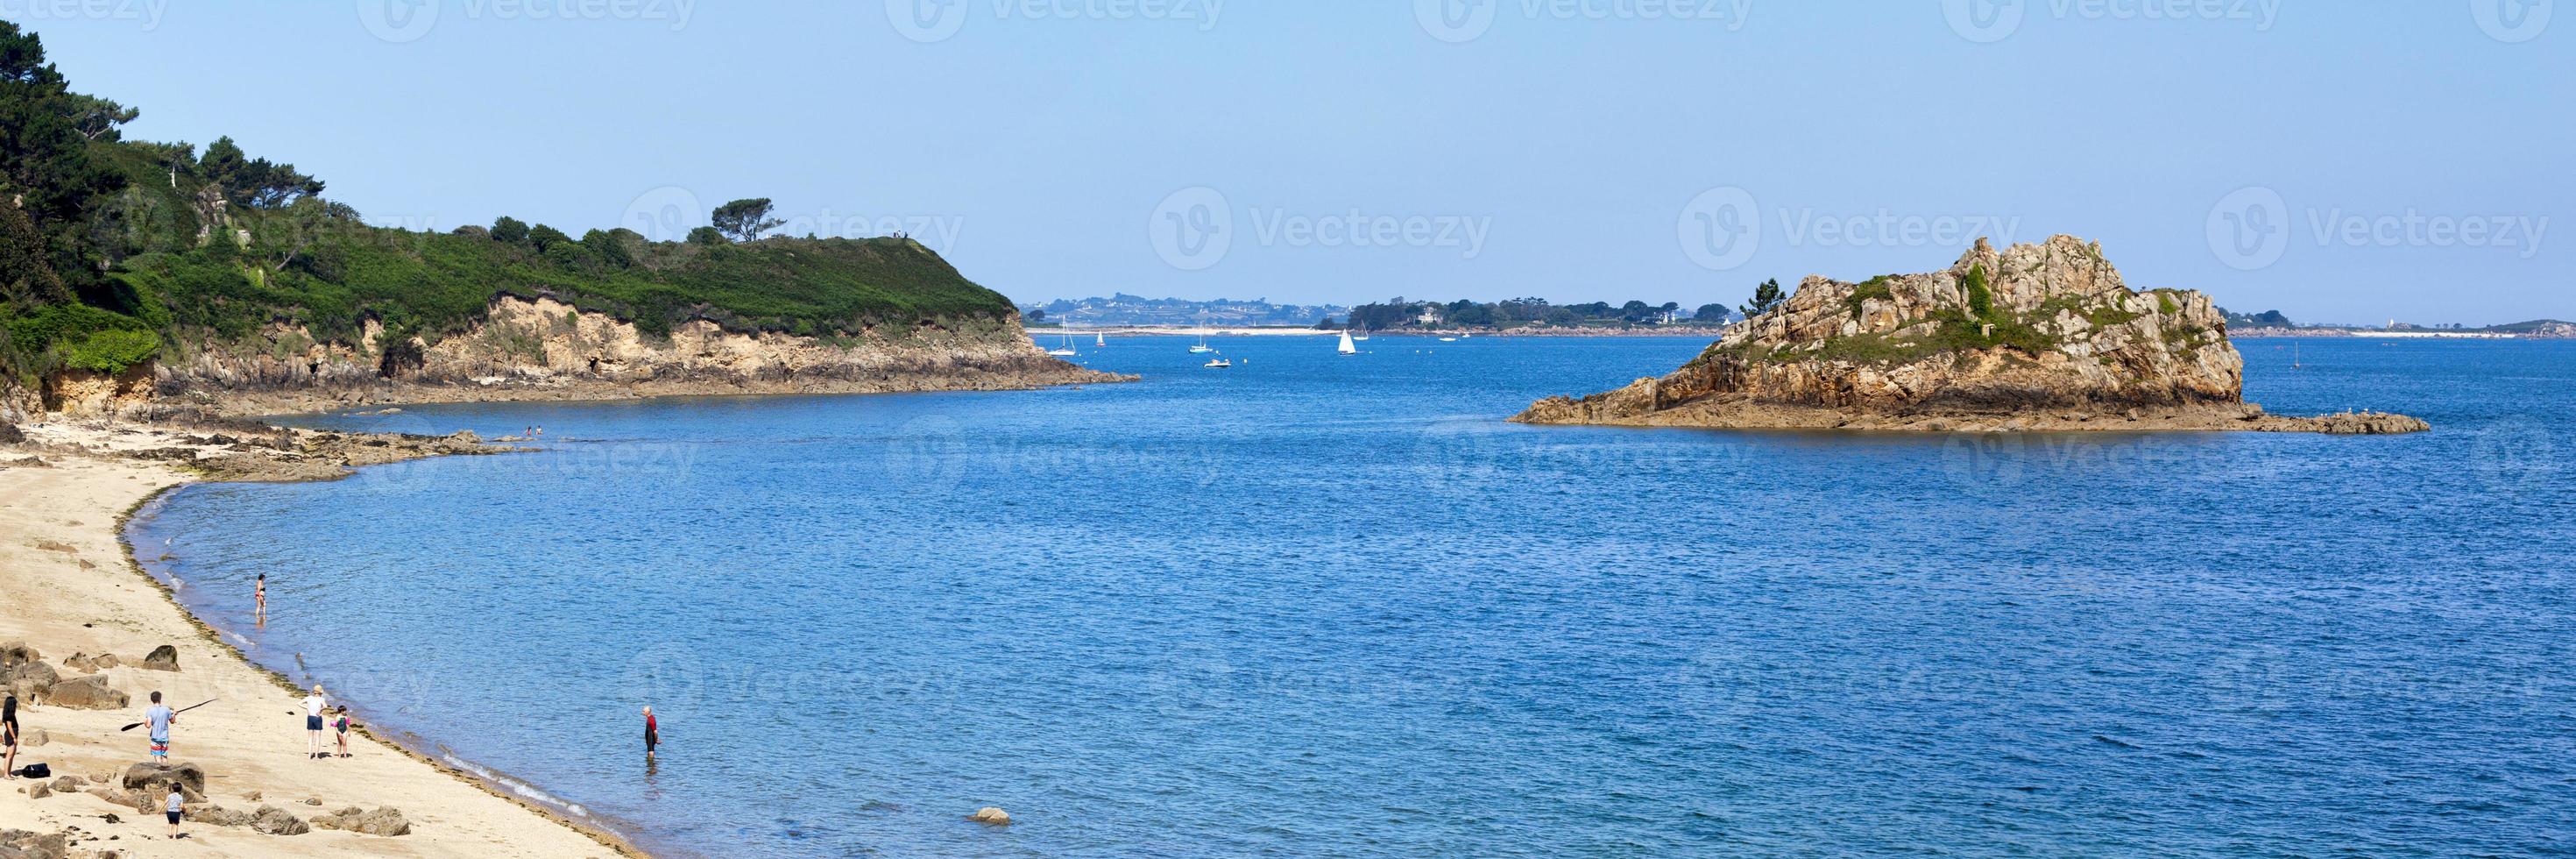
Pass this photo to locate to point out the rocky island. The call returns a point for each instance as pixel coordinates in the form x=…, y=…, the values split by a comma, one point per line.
x=2035, y=337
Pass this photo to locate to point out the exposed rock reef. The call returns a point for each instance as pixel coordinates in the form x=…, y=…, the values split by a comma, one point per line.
x=543, y=349
x=2035, y=337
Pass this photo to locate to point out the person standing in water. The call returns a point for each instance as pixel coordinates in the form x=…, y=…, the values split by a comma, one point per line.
x=313, y=705
x=260, y=593
x=652, y=734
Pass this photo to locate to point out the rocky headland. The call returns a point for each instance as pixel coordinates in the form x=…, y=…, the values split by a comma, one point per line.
x=2034, y=337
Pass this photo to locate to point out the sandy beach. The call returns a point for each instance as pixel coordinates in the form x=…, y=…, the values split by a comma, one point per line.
x=68, y=587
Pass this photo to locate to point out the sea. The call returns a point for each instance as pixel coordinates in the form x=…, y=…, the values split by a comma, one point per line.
x=1323, y=605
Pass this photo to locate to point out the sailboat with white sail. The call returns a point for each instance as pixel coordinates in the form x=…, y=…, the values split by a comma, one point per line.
x=1202, y=348
x=1065, y=350
x=1347, y=347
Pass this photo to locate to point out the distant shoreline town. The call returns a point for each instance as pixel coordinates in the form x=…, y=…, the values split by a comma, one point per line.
x=1131, y=314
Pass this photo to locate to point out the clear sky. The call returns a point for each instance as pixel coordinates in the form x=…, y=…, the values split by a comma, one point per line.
x=2343, y=161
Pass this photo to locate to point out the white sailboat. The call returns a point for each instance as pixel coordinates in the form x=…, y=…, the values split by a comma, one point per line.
x=1202, y=348
x=1348, y=348
x=1098, y=339
x=1065, y=350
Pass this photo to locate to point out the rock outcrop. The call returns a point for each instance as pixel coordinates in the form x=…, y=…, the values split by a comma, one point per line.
x=86, y=692
x=2035, y=337
x=162, y=658
x=386, y=822
x=542, y=348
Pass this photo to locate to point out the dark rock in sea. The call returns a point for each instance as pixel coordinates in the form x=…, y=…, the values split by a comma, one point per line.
x=991, y=816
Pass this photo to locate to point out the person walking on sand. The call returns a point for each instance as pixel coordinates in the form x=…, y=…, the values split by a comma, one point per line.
x=652, y=733
x=313, y=722
x=160, y=718
x=9, y=736
x=171, y=811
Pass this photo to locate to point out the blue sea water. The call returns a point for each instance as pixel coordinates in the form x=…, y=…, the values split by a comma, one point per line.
x=1317, y=605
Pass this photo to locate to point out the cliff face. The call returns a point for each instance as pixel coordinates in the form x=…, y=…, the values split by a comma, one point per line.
x=544, y=349
x=2036, y=336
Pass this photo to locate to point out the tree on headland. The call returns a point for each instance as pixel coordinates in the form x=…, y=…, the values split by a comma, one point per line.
x=509, y=230
x=1709, y=313
x=705, y=236
x=1765, y=297
x=94, y=117
x=745, y=220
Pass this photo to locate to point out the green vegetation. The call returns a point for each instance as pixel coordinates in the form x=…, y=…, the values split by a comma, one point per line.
x=1765, y=297
x=111, y=248
x=1875, y=287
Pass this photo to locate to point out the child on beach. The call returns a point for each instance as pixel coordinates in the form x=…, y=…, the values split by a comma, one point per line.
x=341, y=724
x=171, y=810
x=160, y=718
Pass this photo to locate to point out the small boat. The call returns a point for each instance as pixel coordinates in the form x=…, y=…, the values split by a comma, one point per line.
x=1465, y=336
x=1202, y=348
x=1448, y=339
x=1063, y=351
x=1218, y=363
x=1362, y=338
x=1347, y=347
x=1098, y=339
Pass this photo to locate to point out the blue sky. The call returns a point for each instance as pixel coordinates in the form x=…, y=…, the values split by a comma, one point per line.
x=2350, y=161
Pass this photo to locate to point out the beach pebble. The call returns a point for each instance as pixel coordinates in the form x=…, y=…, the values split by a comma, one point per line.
x=312, y=800
x=991, y=816
x=40, y=790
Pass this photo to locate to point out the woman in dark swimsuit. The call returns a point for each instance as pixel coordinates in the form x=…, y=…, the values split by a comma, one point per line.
x=9, y=736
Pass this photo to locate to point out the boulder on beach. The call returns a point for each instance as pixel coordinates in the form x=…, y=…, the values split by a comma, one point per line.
x=87, y=664
x=87, y=692
x=17, y=653
x=34, y=737
x=154, y=780
x=386, y=822
x=40, y=790
x=29, y=680
x=990, y=816
x=272, y=820
x=162, y=658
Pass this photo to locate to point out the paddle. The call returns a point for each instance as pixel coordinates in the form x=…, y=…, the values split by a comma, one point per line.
x=174, y=713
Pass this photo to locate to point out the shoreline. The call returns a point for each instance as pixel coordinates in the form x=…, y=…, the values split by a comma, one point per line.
x=491, y=780
x=74, y=605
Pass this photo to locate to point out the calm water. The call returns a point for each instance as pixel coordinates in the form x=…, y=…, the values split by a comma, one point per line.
x=1320, y=605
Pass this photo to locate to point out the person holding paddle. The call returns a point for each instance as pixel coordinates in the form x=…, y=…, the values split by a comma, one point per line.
x=160, y=718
